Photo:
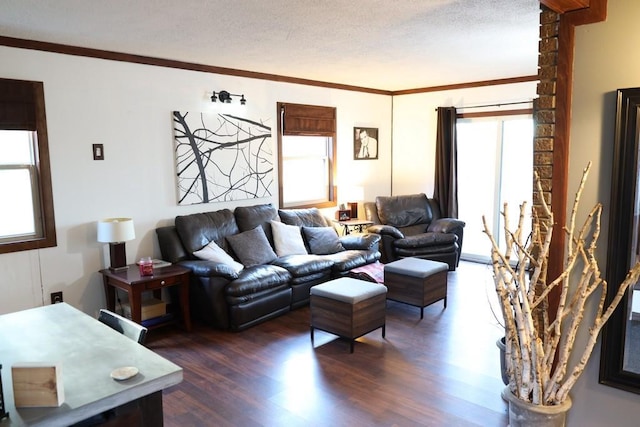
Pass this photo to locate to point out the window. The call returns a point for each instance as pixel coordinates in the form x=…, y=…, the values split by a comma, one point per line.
x=18, y=178
x=306, y=156
x=26, y=219
x=495, y=164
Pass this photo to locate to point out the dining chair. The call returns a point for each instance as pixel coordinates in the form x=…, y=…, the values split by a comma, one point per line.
x=123, y=325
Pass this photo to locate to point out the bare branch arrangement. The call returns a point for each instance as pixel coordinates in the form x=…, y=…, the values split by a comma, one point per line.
x=539, y=346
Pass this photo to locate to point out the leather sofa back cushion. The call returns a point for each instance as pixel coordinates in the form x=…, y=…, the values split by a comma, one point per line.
x=249, y=217
x=403, y=211
x=197, y=230
x=170, y=244
x=252, y=247
x=309, y=217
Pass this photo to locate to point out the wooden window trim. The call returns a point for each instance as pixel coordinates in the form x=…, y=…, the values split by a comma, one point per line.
x=308, y=120
x=32, y=116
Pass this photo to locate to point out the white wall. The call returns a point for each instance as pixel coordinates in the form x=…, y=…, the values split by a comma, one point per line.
x=605, y=60
x=127, y=107
x=414, y=129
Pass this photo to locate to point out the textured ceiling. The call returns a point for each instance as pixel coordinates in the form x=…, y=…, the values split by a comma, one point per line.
x=381, y=44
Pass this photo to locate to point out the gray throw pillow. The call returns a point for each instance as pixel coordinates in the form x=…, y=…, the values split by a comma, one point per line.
x=322, y=240
x=252, y=247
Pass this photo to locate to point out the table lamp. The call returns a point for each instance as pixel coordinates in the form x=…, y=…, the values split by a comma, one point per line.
x=116, y=231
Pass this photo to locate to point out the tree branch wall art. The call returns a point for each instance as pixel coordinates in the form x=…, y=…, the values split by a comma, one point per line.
x=221, y=157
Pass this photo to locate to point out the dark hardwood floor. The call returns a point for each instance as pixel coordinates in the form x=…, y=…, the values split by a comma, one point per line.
x=443, y=370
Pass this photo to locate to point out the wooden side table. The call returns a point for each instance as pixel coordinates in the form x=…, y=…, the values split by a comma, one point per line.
x=134, y=285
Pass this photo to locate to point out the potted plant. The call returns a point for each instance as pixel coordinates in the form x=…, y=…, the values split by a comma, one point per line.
x=543, y=358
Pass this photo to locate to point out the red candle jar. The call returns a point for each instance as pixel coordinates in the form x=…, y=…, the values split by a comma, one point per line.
x=146, y=267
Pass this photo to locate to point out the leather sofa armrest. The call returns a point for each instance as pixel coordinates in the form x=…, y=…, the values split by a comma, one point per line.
x=360, y=241
x=445, y=225
x=209, y=269
x=386, y=230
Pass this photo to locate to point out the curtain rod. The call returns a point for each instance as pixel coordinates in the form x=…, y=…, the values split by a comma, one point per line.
x=493, y=105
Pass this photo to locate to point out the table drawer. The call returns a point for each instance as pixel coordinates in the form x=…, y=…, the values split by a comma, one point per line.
x=161, y=283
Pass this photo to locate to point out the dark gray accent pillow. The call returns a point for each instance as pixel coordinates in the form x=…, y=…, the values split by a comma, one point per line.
x=249, y=217
x=252, y=247
x=322, y=240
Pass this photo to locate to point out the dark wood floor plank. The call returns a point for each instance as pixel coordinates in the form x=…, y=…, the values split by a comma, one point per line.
x=442, y=370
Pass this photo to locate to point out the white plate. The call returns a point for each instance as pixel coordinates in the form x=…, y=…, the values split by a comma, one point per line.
x=124, y=373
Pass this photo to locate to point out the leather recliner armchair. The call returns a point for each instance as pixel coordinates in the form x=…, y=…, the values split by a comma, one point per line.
x=411, y=226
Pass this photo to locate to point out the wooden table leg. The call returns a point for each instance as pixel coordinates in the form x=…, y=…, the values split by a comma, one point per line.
x=145, y=411
x=110, y=294
x=135, y=300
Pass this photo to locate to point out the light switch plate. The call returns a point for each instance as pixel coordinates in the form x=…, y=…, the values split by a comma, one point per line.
x=98, y=152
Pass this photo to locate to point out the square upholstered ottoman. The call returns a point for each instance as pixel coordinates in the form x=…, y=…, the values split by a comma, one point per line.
x=348, y=308
x=416, y=281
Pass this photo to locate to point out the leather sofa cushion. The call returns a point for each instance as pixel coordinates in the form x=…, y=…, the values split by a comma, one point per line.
x=252, y=247
x=249, y=217
x=197, y=230
x=258, y=279
x=347, y=260
x=446, y=225
x=403, y=211
x=170, y=244
x=426, y=240
x=306, y=281
x=210, y=269
x=361, y=241
x=309, y=217
x=304, y=265
x=428, y=250
x=414, y=230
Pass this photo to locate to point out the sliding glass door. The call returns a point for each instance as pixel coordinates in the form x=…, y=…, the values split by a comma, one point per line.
x=495, y=165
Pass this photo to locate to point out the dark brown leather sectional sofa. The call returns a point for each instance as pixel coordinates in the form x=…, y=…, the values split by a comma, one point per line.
x=224, y=298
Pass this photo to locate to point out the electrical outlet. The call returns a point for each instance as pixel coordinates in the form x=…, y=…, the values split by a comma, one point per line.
x=56, y=297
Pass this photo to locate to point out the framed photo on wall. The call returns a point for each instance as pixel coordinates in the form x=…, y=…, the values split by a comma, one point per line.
x=365, y=143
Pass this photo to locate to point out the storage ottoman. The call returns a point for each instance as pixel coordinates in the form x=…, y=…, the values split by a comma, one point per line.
x=416, y=281
x=348, y=307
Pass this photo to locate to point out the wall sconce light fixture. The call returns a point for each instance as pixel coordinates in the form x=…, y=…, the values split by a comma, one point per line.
x=225, y=97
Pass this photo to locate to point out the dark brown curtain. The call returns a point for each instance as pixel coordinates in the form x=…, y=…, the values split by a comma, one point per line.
x=445, y=189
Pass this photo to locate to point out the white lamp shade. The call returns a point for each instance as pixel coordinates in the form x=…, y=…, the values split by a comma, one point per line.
x=352, y=193
x=112, y=230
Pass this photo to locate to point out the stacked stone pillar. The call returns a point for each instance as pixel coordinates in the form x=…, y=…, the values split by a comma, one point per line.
x=545, y=105
x=544, y=113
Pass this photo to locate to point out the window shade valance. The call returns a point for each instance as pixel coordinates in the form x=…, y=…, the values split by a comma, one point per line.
x=300, y=119
x=18, y=104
